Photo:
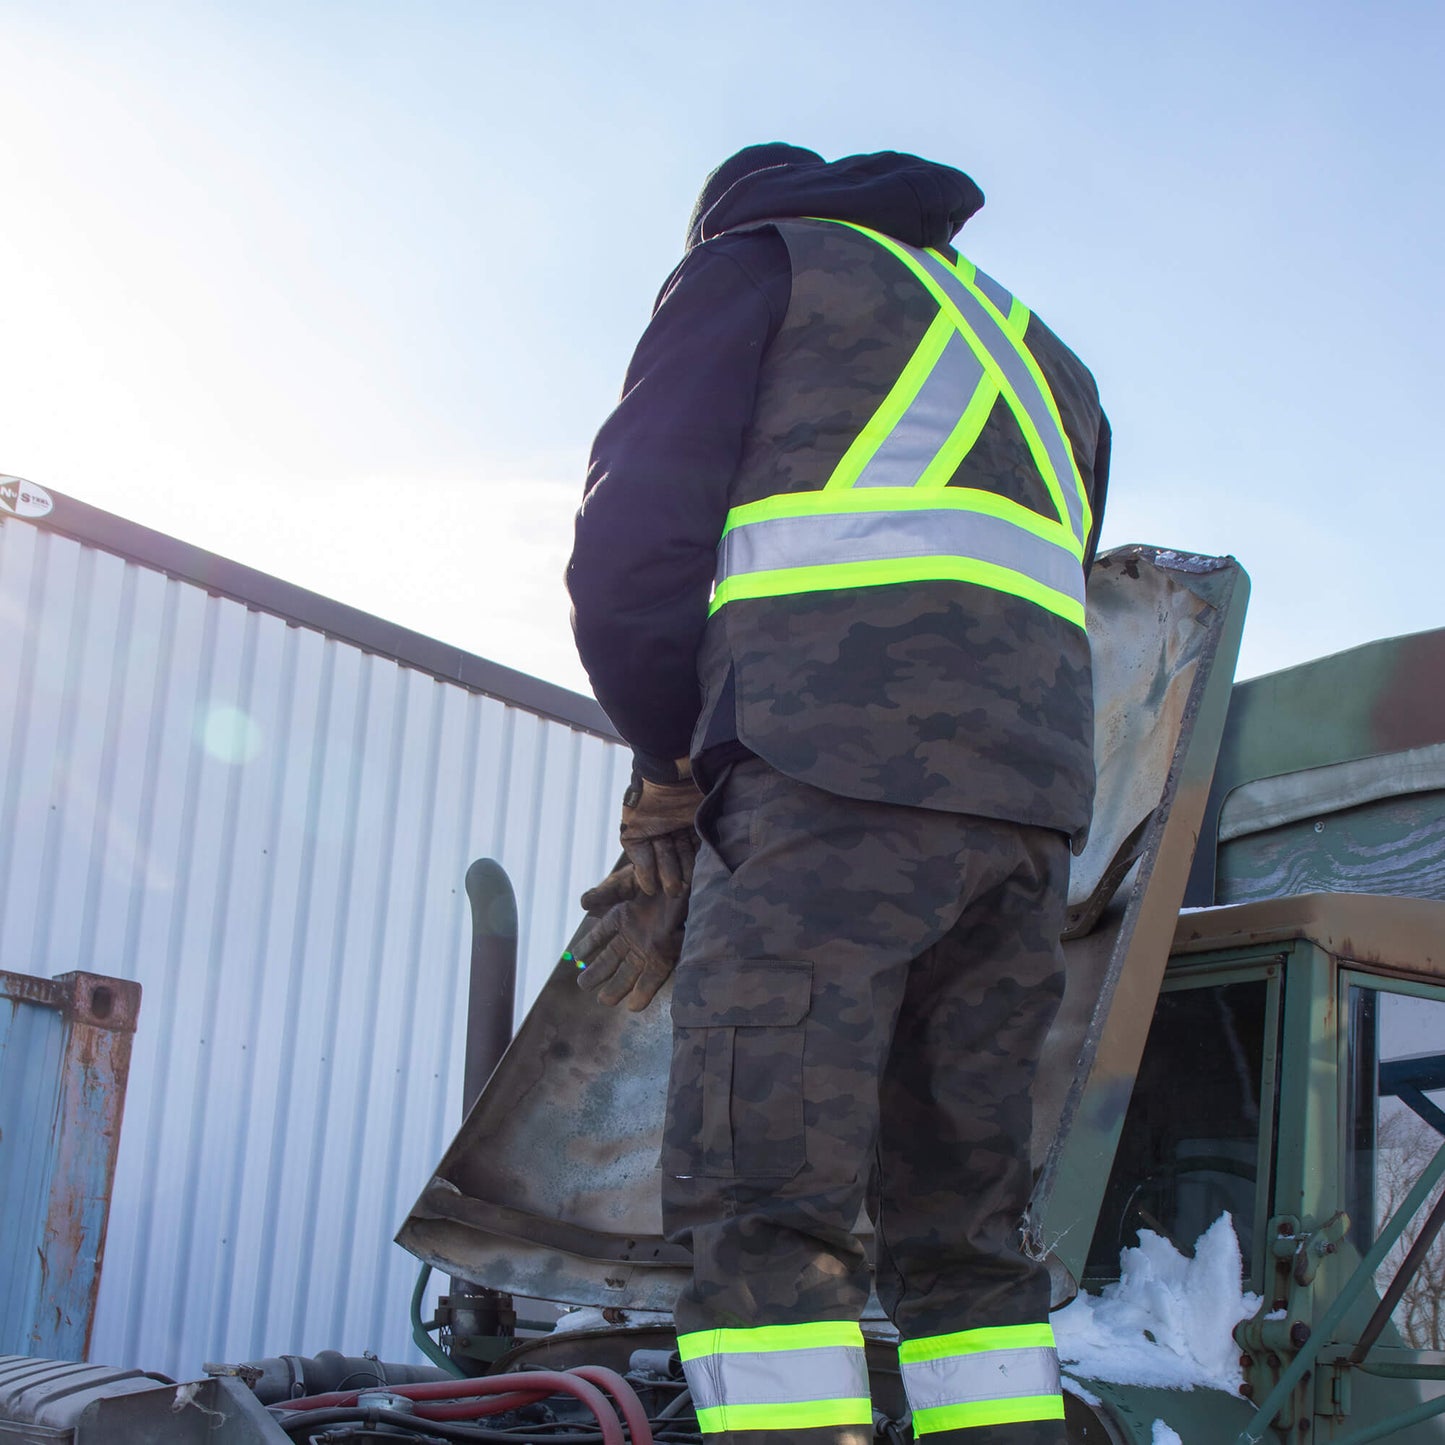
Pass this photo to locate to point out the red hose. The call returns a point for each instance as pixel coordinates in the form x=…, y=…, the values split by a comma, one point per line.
x=623, y=1396
x=468, y=1399
x=478, y=1408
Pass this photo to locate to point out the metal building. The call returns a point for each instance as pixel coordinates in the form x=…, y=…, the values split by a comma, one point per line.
x=261, y=805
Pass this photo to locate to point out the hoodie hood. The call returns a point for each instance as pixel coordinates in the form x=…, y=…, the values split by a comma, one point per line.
x=918, y=202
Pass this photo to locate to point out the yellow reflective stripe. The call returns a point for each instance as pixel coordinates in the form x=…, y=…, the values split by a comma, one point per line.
x=789, y=581
x=1027, y=357
x=1034, y=441
x=881, y=424
x=968, y=1342
x=939, y=472
x=905, y=499
x=821, y=1335
x=1014, y=325
x=1017, y=319
x=1042, y=460
x=809, y=1415
x=1015, y=1411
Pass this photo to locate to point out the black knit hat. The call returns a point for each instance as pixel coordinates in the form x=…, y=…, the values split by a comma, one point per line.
x=747, y=161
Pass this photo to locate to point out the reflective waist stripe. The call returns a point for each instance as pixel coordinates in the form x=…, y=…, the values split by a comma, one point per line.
x=777, y=1377
x=887, y=514
x=982, y=1377
x=776, y=555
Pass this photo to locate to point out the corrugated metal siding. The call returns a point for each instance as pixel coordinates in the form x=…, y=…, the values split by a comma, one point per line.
x=269, y=830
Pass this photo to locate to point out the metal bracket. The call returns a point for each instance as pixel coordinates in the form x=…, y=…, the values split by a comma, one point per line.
x=1282, y=1397
x=1276, y=1334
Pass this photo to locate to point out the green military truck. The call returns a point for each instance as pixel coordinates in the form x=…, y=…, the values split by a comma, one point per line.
x=1238, y=1131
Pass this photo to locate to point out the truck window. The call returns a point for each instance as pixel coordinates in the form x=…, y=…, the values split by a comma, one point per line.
x=1191, y=1141
x=1395, y=1122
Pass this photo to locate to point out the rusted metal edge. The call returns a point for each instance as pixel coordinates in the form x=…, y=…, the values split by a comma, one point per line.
x=89, y=999
x=1364, y=928
x=441, y=1201
x=1092, y=1117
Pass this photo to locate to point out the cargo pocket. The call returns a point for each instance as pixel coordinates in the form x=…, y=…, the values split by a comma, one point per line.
x=735, y=1103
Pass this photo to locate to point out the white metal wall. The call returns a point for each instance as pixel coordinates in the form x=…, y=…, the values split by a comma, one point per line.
x=269, y=830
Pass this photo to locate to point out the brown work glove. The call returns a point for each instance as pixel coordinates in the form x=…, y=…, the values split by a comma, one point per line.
x=657, y=834
x=627, y=953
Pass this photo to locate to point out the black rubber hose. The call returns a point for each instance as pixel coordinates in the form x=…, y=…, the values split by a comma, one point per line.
x=350, y=1437
x=285, y=1376
x=299, y=1421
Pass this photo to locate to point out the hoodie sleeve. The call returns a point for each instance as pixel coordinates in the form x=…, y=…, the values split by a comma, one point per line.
x=657, y=490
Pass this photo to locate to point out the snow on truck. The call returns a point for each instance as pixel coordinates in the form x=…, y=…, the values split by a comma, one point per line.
x=1238, y=1125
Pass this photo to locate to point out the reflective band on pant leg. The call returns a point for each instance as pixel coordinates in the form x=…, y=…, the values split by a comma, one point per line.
x=777, y=1377
x=1005, y=1375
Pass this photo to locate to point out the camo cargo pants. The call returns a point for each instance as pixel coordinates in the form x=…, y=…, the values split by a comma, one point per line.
x=861, y=1001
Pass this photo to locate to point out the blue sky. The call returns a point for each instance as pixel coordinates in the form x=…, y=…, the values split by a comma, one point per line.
x=342, y=290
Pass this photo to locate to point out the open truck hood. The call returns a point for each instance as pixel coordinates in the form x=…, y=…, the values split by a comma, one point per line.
x=551, y=1187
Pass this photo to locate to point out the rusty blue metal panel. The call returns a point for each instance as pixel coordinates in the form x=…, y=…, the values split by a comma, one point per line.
x=32, y=1048
x=64, y=1059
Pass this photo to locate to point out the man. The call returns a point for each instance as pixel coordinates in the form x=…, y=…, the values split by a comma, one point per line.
x=831, y=558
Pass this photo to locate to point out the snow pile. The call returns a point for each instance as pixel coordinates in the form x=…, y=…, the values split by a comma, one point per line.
x=1168, y=1322
x=1165, y=1435
x=594, y=1319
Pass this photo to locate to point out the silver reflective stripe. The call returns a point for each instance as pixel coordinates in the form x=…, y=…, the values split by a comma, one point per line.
x=922, y=429
x=777, y=1377
x=1000, y=346
x=988, y=1375
x=829, y=538
x=995, y=293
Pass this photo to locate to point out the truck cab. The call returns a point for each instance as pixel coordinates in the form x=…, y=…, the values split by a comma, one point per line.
x=1294, y=1067
x=1286, y=1081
